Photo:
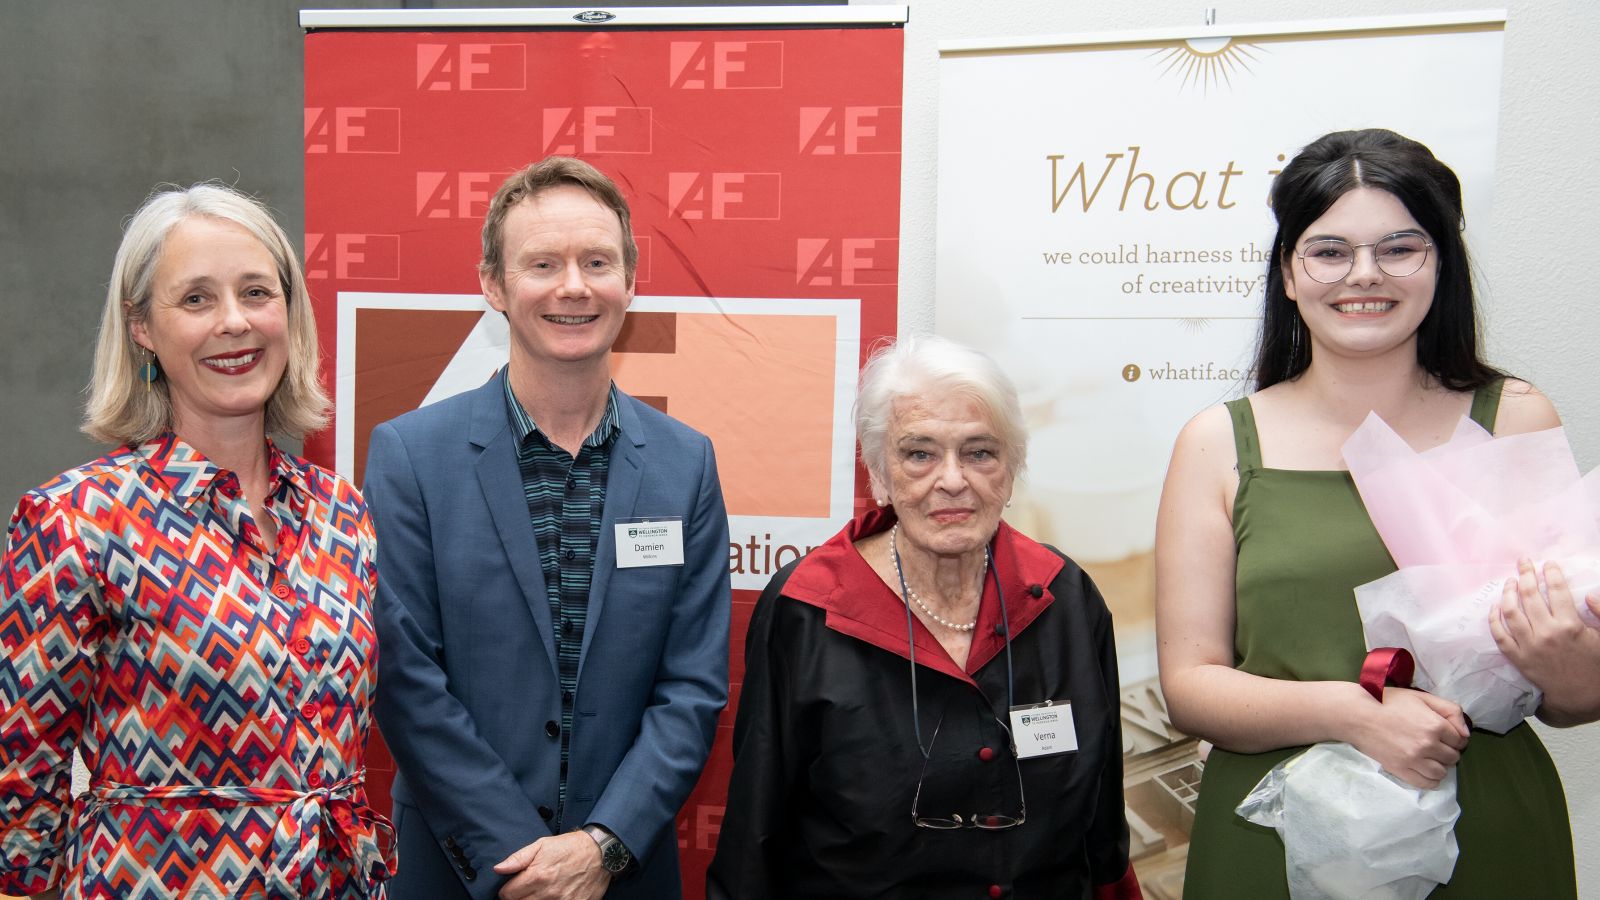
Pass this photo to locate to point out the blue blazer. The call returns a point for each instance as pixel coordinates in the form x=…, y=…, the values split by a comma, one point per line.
x=468, y=698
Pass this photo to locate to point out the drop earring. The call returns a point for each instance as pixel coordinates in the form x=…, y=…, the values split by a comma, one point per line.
x=149, y=372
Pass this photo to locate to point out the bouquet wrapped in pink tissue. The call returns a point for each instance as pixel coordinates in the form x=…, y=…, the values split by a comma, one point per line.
x=1456, y=519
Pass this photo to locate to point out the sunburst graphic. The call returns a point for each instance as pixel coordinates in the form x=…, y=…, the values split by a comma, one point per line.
x=1206, y=63
x=1194, y=325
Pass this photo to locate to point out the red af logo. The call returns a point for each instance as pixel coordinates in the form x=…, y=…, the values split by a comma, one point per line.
x=727, y=65
x=843, y=262
x=456, y=195
x=353, y=256
x=849, y=130
x=725, y=195
x=471, y=67
x=597, y=129
x=352, y=129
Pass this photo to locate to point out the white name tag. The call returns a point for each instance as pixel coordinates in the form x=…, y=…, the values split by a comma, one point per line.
x=658, y=543
x=1043, y=729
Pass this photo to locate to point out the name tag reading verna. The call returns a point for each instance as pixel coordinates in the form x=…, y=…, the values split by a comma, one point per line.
x=650, y=543
x=1042, y=729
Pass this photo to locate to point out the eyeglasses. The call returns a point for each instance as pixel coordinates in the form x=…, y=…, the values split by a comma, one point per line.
x=1398, y=255
x=985, y=822
x=989, y=822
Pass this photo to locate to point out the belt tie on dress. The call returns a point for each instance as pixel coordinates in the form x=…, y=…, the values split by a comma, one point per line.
x=327, y=814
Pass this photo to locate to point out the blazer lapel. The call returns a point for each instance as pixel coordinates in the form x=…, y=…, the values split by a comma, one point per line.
x=622, y=491
x=501, y=481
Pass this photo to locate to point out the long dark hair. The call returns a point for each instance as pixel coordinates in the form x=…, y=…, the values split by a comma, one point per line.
x=1448, y=345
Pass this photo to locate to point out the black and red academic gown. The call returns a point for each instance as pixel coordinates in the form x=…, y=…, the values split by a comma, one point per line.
x=826, y=761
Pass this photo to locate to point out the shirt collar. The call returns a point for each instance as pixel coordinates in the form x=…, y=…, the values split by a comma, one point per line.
x=834, y=577
x=523, y=425
x=189, y=474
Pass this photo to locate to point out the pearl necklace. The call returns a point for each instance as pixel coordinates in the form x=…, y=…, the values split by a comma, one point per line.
x=894, y=549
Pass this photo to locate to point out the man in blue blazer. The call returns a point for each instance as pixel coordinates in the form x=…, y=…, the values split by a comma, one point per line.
x=553, y=595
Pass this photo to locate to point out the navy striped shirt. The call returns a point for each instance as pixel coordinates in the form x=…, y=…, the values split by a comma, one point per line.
x=566, y=499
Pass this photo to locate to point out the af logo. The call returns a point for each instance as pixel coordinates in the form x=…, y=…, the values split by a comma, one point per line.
x=849, y=130
x=352, y=129
x=725, y=195
x=455, y=195
x=597, y=129
x=471, y=67
x=846, y=262
x=353, y=256
x=726, y=65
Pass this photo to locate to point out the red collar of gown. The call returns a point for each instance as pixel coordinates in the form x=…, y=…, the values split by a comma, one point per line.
x=835, y=578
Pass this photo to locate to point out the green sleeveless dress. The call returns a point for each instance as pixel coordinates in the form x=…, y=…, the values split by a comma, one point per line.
x=1304, y=544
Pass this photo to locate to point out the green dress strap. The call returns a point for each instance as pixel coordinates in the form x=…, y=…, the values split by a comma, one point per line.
x=1486, y=404
x=1246, y=445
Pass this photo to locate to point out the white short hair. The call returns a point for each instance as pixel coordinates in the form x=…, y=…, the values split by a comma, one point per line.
x=931, y=368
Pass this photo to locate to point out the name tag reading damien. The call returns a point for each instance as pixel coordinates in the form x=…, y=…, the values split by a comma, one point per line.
x=1043, y=729
x=657, y=543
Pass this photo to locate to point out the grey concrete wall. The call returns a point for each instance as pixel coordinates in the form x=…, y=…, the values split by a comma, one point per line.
x=99, y=102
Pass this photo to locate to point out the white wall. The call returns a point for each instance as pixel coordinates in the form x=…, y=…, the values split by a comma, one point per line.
x=1537, y=276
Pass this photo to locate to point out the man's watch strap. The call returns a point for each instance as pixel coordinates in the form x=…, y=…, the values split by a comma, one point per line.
x=614, y=856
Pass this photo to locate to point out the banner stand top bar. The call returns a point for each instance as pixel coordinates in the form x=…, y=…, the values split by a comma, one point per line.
x=1491, y=17
x=591, y=17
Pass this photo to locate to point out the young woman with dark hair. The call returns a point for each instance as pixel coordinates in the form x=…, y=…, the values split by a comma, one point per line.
x=1262, y=535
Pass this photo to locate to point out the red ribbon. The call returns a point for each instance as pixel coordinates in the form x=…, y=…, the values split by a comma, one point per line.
x=1387, y=665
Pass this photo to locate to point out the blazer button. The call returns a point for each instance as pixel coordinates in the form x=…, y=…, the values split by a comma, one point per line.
x=552, y=729
x=469, y=872
x=450, y=841
x=546, y=813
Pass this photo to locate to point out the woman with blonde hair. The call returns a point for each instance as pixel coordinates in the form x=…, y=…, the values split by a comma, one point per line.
x=190, y=612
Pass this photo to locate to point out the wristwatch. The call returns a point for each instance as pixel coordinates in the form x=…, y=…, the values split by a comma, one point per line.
x=614, y=857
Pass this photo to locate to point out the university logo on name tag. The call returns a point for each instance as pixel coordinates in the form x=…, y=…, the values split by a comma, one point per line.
x=1042, y=729
x=657, y=543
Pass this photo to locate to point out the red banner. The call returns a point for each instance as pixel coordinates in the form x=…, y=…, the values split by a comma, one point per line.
x=763, y=171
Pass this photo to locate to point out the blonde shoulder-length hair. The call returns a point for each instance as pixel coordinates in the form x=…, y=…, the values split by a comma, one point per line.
x=122, y=409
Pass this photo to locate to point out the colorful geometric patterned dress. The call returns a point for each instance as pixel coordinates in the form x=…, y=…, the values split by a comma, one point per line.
x=218, y=692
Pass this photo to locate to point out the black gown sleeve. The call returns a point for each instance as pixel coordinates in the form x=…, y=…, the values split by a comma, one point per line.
x=1108, y=835
x=765, y=765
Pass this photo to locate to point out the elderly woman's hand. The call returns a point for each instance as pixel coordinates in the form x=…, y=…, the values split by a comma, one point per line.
x=1549, y=642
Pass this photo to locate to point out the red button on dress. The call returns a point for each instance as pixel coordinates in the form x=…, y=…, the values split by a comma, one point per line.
x=310, y=710
x=281, y=591
x=994, y=890
x=301, y=646
x=315, y=780
x=986, y=754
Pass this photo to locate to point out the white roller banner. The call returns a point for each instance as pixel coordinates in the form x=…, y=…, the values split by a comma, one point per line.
x=1102, y=228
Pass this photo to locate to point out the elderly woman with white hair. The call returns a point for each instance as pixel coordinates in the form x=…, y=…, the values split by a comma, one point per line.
x=930, y=703
x=190, y=612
